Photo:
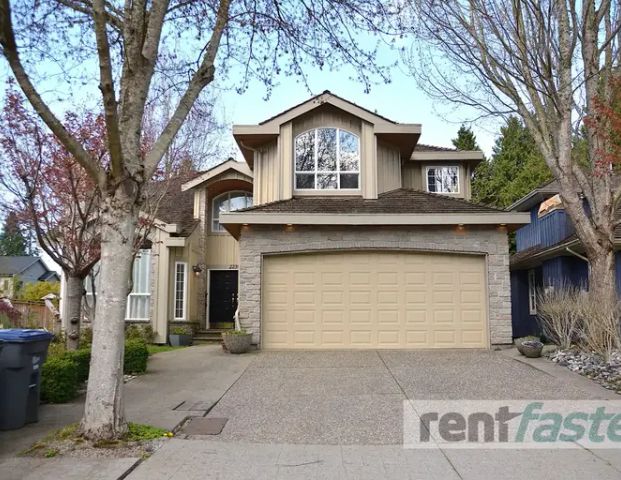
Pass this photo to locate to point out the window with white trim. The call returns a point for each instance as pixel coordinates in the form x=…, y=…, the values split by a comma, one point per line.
x=181, y=289
x=139, y=300
x=228, y=202
x=532, y=293
x=443, y=179
x=327, y=159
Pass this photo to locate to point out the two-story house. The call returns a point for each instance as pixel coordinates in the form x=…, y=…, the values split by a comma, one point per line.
x=361, y=237
x=548, y=255
x=339, y=231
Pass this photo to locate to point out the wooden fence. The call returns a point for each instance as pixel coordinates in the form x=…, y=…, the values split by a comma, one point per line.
x=36, y=315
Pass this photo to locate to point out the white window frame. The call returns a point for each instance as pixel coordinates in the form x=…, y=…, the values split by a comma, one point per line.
x=429, y=167
x=184, y=298
x=140, y=294
x=532, y=293
x=316, y=172
x=215, y=215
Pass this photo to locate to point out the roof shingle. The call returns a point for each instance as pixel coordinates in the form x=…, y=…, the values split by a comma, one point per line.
x=402, y=200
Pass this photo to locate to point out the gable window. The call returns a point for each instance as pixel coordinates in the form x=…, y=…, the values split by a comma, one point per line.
x=181, y=281
x=327, y=159
x=228, y=202
x=532, y=293
x=443, y=179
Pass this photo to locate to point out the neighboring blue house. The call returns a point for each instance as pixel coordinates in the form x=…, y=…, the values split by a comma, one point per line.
x=25, y=269
x=548, y=254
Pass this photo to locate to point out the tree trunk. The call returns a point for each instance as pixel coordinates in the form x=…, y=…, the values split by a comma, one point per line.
x=75, y=290
x=104, y=416
x=602, y=276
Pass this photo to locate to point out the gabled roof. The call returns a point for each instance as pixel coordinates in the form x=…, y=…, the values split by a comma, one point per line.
x=251, y=137
x=324, y=97
x=402, y=206
x=535, y=197
x=176, y=206
x=229, y=164
x=14, y=265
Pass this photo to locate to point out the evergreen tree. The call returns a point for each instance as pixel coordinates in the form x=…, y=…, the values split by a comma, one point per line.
x=466, y=140
x=516, y=168
x=12, y=240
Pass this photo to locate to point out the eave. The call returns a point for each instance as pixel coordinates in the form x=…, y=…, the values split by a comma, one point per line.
x=234, y=221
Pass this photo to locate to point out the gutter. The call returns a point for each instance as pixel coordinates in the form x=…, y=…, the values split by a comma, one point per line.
x=576, y=254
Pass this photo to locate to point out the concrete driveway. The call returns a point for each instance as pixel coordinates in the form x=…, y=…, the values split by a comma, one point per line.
x=356, y=397
x=337, y=415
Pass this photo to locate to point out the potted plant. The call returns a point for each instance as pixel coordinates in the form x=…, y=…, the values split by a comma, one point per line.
x=237, y=341
x=531, y=348
x=180, y=336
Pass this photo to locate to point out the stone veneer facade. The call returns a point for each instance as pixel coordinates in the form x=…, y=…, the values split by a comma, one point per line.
x=256, y=241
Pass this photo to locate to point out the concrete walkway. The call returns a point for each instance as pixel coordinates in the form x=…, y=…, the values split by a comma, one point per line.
x=333, y=415
x=191, y=380
x=207, y=459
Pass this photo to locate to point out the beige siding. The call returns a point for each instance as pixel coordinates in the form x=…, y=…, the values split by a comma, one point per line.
x=267, y=174
x=368, y=167
x=414, y=175
x=388, y=168
x=221, y=250
x=327, y=116
x=411, y=176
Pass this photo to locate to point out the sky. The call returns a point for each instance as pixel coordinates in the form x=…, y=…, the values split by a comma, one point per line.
x=401, y=101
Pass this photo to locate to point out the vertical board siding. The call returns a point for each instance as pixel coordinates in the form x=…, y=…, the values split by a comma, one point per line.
x=388, y=168
x=267, y=174
x=545, y=231
x=411, y=176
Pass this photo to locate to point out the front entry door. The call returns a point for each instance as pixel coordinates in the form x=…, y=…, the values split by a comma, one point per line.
x=222, y=296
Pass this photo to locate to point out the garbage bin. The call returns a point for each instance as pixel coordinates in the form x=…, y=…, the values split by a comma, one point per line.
x=21, y=358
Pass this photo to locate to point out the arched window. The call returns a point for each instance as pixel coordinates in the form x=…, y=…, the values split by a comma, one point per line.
x=228, y=202
x=327, y=159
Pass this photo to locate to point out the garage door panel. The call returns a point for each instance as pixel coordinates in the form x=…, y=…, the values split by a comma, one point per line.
x=374, y=300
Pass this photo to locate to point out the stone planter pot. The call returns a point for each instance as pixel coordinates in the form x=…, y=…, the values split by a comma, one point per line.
x=531, y=349
x=180, y=340
x=237, y=342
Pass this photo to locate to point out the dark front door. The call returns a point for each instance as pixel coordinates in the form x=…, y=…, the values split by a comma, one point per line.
x=222, y=296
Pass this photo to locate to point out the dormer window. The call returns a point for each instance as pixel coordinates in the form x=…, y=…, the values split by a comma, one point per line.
x=327, y=159
x=443, y=179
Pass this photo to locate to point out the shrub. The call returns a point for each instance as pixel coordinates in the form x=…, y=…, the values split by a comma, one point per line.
x=568, y=315
x=136, y=356
x=140, y=332
x=82, y=359
x=34, y=292
x=86, y=337
x=559, y=316
x=180, y=330
x=59, y=379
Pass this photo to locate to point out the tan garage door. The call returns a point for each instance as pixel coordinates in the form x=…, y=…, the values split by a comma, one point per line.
x=374, y=300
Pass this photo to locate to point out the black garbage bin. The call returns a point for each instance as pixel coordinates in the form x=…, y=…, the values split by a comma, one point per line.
x=21, y=358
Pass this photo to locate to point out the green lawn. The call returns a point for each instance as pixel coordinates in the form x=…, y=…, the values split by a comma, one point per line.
x=160, y=348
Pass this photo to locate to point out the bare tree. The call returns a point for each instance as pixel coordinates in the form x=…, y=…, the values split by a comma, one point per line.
x=56, y=43
x=550, y=62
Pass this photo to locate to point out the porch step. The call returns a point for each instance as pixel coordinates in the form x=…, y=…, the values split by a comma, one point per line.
x=212, y=335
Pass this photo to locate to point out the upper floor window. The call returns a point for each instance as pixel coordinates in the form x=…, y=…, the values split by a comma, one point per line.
x=327, y=159
x=443, y=179
x=228, y=202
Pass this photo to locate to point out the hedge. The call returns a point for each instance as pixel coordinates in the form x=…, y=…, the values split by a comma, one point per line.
x=82, y=359
x=64, y=371
x=59, y=379
x=136, y=356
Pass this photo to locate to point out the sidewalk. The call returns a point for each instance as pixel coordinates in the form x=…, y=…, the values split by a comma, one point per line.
x=190, y=379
